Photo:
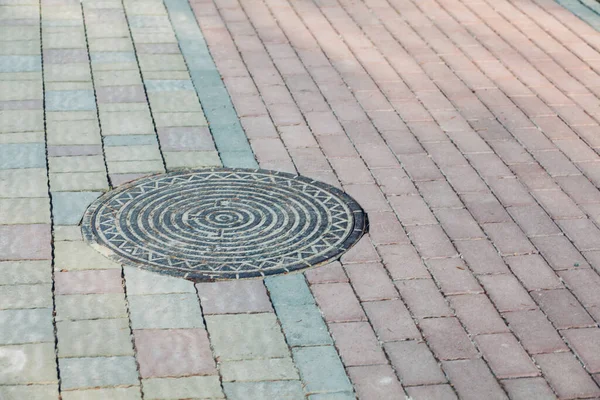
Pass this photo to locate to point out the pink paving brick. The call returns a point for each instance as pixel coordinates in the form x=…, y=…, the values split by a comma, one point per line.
x=371, y=282
x=535, y=332
x=412, y=210
x=508, y=238
x=431, y=241
x=505, y=356
x=338, y=302
x=174, y=352
x=375, y=382
x=586, y=344
x=563, y=309
x=439, y=194
x=361, y=252
x=384, y=228
x=481, y=257
x=534, y=272
x=506, y=293
x=357, y=343
x=25, y=242
x=402, y=261
x=566, y=376
x=447, y=338
x=459, y=224
x=414, y=363
x=528, y=388
x=423, y=298
x=391, y=320
x=485, y=208
x=234, y=297
x=559, y=252
x=89, y=282
x=453, y=276
x=534, y=221
x=330, y=273
x=477, y=314
x=439, y=392
x=462, y=375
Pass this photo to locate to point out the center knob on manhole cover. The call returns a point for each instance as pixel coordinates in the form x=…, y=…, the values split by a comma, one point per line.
x=213, y=224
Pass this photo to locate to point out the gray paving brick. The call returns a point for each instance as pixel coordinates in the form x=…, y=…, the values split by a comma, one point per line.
x=262, y=338
x=321, y=369
x=25, y=296
x=91, y=338
x=289, y=390
x=208, y=387
x=28, y=363
x=163, y=311
x=26, y=326
x=90, y=306
x=83, y=373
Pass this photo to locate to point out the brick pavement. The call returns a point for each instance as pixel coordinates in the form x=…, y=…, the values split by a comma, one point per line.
x=468, y=130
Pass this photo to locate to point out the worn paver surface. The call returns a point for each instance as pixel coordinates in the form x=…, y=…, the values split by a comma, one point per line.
x=469, y=130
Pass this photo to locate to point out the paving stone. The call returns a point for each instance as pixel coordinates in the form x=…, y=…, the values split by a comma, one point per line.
x=563, y=309
x=566, y=375
x=28, y=364
x=453, y=276
x=70, y=100
x=463, y=373
x=128, y=167
x=371, y=282
x=321, y=369
x=174, y=353
x=447, y=338
x=25, y=242
x=403, y=262
x=506, y=293
x=88, y=282
x=440, y=392
x=146, y=282
x=131, y=393
x=165, y=311
x=70, y=256
x=171, y=119
x=32, y=392
x=505, y=356
x=585, y=342
x=559, y=252
x=25, y=296
x=330, y=273
x=431, y=241
x=414, y=363
x=68, y=207
x=186, y=139
x=77, y=164
x=375, y=382
x=21, y=120
x=423, y=298
x=78, y=181
x=357, y=343
x=528, y=388
x=90, y=307
x=288, y=390
x=303, y=325
x=234, y=297
x=289, y=290
x=192, y=159
x=272, y=369
x=91, y=338
x=74, y=132
x=30, y=155
x=508, y=238
x=391, y=320
x=176, y=388
x=262, y=339
x=19, y=183
x=25, y=272
x=100, y=372
x=126, y=123
x=26, y=326
x=333, y=396
x=338, y=302
x=478, y=314
x=25, y=211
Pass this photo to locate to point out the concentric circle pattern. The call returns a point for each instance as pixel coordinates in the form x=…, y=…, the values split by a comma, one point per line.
x=222, y=223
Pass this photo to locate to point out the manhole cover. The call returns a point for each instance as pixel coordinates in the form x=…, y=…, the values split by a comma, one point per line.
x=221, y=223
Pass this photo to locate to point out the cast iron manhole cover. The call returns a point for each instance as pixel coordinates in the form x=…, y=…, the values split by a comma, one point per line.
x=223, y=223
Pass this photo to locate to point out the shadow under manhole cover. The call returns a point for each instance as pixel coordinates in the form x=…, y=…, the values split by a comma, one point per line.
x=221, y=223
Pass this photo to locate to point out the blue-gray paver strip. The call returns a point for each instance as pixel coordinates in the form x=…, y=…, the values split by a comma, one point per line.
x=234, y=149
x=587, y=10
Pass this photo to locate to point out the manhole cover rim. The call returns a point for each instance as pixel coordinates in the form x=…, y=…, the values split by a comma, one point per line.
x=359, y=228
